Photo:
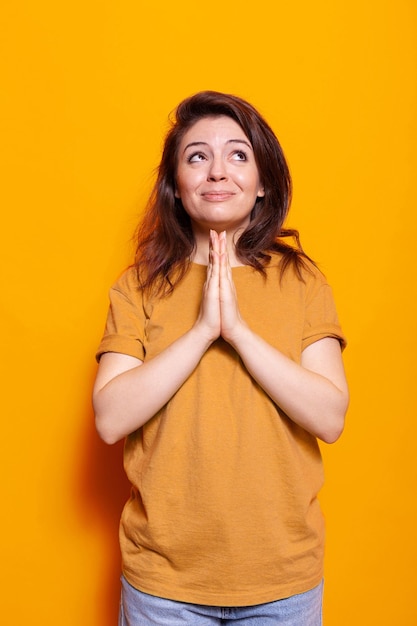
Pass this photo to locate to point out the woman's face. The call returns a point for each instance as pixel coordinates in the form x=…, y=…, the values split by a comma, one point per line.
x=217, y=176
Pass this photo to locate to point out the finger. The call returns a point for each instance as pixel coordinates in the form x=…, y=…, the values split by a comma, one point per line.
x=222, y=242
x=211, y=255
x=215, y=254
x=222, y=248
x=224, y=257
x=228, y=266
x=212, y=278
x=214, y=242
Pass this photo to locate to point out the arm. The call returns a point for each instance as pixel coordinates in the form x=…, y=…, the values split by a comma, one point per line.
x=314, y=393
x=128, y=392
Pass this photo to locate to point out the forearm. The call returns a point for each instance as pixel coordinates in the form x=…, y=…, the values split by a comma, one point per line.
x=310, y=399
x=129, y=399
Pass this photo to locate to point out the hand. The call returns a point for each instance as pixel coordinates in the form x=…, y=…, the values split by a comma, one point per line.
x=209, y=315
x=230, y=318
x=219, y=312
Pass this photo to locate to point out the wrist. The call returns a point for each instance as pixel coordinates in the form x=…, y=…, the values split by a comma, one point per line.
x=238, y=335
x=203, y=335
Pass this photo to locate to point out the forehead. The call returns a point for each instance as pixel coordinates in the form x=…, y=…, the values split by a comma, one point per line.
x=212, y=128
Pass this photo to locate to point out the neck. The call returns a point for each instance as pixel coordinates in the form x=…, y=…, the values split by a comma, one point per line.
x=202, y=248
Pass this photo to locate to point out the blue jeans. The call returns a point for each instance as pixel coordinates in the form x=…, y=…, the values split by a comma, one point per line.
x=141, y=609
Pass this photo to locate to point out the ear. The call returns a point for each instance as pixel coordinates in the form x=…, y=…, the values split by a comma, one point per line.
x=176, y=193
x=261, y=192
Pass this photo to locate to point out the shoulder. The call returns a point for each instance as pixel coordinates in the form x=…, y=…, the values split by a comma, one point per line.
x=303, y=273
x=127, y=283
x=311, y=273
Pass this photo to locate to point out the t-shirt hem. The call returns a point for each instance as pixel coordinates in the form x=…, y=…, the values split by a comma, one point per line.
x=273, y=594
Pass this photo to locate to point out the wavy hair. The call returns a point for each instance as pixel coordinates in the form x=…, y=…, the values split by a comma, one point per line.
x=165, y=240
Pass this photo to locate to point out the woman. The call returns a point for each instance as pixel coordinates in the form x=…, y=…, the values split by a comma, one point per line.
x=221, y=365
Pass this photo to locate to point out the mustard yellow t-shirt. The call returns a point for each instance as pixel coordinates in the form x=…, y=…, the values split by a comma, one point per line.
x=224, y=507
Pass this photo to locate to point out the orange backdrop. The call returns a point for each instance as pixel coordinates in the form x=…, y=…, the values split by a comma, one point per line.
x=86, y=89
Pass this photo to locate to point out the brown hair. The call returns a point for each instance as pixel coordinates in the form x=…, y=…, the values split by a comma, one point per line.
x=165, y=240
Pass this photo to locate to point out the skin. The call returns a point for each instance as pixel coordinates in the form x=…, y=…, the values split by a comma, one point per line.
x=218, y=188
x=217, y=180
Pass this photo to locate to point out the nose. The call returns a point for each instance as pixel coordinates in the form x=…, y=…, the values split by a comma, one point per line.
x=217, y=170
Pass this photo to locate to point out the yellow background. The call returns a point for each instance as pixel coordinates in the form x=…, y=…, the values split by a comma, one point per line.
x=85, y=93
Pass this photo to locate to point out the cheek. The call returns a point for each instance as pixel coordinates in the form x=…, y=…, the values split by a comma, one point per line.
x=186, y=185
x=251, y=183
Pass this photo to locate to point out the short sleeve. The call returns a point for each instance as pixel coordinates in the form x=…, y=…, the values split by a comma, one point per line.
x=321, y=319
x=125, y=324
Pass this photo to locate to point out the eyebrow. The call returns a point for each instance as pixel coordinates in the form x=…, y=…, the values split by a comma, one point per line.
x=204, y=143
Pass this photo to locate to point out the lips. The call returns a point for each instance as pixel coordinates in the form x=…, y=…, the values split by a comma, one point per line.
x=217, y=196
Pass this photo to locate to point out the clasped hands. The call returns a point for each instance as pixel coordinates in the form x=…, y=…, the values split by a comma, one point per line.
x=219, y=314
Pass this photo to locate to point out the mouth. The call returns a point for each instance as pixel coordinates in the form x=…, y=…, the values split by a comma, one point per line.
x=217, y=196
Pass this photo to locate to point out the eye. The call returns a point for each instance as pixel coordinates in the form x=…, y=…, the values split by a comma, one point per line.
x=240, y=155
x=195, y=157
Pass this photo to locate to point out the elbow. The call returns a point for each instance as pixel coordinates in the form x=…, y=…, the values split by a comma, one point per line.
x=333, y=432
x=335, y=424
x=105, y=431
x=105, y=424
